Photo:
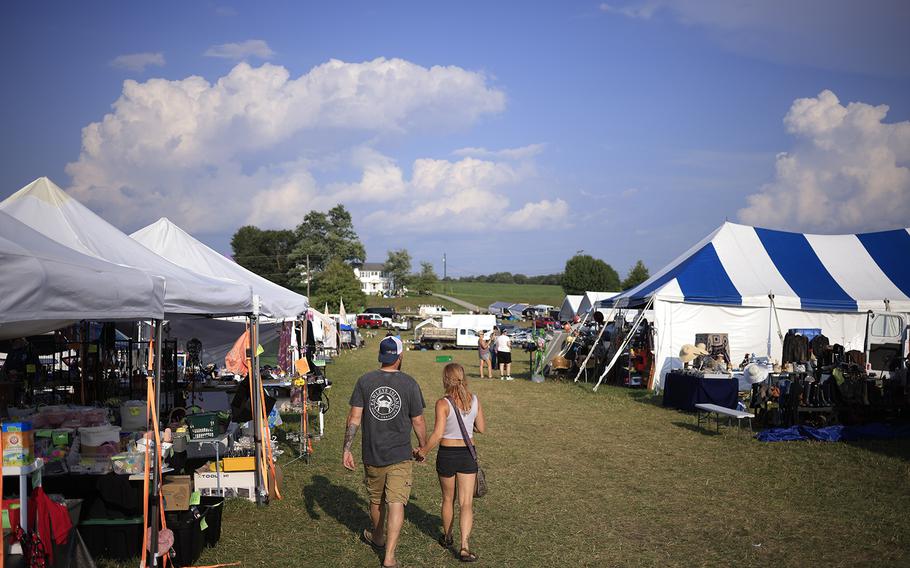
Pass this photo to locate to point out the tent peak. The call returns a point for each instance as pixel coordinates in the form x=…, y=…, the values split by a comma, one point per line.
x=44, y=189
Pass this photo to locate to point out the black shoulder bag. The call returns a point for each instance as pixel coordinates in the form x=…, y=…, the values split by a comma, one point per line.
x=480, y=488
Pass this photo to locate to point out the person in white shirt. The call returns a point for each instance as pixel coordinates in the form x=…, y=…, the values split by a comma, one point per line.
x=504, y=355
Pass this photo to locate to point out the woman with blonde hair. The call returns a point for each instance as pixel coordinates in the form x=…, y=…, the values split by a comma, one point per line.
x=455, y=466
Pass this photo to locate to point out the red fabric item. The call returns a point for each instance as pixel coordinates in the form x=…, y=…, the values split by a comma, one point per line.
x=236, y=359
x=50, y=515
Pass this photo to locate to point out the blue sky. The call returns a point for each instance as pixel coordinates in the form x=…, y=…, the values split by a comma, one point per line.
x=508, y=134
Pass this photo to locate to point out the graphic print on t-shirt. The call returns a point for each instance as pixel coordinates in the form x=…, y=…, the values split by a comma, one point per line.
x=385, y=403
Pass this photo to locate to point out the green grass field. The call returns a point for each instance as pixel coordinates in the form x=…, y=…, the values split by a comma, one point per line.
x=484, y=293
x=594, y=479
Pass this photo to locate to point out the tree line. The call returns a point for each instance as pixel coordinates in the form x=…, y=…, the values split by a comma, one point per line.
x=319, y=255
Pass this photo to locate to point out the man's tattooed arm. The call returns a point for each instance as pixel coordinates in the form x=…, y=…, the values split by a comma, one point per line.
x=349, y=436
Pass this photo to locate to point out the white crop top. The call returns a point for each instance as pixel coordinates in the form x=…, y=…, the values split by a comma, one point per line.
x=453, y=432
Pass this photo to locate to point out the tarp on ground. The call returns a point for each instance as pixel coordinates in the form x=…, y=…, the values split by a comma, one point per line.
x=569, y=307
x=173, y=243
x=45, y=285
x=724, y=284
x=46, y=208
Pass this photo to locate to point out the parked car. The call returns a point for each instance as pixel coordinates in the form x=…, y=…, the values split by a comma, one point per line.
x=545, y=323
x=373, y=321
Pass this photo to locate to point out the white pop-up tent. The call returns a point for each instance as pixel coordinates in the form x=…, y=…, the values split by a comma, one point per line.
x=46, y=208
x=173, y=243
x=45, y=285
x=755, y=284
x=591, y=299
x=569, y=307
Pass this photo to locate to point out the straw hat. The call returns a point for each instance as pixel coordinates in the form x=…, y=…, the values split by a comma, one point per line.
x=755, y=373
x=690, y=352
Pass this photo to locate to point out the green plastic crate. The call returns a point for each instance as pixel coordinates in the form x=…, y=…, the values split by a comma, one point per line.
x=443, y=358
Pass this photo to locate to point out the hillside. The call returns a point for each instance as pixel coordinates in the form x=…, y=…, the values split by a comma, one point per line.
x=484, y=293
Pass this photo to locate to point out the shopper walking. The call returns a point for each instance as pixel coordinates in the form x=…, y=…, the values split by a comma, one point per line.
x=504, y=355
x=493, y=355
x=483, y=351
x=394, y=406
x=456, y=468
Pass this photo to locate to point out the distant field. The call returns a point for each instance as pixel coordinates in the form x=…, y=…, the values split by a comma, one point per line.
x=411, y=304
x=483, y=293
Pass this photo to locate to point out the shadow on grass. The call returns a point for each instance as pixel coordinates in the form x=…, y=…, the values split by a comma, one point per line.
x=696, y=428
x=337, y=501
x=428, y=523
x=898, y=449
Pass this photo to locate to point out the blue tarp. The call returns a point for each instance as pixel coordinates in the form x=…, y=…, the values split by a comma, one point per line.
x=835, y=433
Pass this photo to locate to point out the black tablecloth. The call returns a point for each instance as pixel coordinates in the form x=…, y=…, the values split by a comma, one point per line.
x=684, y=391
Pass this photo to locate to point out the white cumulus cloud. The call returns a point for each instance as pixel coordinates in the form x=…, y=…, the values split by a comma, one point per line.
x=253, y=147
x=849, y=171
x=521, y=153
x=138, y=61
x=241, y=51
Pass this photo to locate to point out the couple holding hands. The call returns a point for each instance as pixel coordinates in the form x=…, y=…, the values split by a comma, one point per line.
x=387, y=404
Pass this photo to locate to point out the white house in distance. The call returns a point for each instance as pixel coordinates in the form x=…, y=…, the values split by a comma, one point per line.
x=374, y=280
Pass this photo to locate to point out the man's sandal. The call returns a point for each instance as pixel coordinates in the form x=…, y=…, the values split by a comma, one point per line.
x=446, y=541
x=466, y=555
x=367, y=537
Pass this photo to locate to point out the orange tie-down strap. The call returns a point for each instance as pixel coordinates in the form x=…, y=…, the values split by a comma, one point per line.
x=153, y=423
x=267, y=448
x=11, y=527
x=217, y=565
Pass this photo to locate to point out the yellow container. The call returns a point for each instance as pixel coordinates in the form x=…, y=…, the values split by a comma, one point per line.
x=238, y=464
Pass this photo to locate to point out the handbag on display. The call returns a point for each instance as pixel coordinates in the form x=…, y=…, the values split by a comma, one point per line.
x=480, y=487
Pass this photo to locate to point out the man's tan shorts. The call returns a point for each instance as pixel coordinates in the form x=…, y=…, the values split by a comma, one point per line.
x=391, y=481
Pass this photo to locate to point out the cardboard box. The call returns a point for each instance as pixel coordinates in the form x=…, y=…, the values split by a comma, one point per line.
x=18, y=443
x=238, y=464
x=176, y=491
x=237, y=484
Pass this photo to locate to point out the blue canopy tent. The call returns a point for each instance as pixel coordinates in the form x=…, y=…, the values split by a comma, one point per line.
x=754, y=284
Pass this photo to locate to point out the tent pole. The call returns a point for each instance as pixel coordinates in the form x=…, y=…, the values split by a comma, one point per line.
x=255, y=402
x=625, y=342
x=596, y=341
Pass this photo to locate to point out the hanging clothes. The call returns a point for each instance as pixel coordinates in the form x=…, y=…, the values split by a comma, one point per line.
x=284, y=347
x=819, y=346
x=236, y=361
x=796, y=348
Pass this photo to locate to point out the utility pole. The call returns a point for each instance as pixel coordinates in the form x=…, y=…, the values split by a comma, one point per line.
x=308, y=276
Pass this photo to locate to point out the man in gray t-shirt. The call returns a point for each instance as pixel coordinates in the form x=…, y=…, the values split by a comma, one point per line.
x=394, y=406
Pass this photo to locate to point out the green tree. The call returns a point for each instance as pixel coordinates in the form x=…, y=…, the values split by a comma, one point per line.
x=324, y=237
x=267, y=253
x=637, y=274
x=398, y=265
x=336, y=282
x=426, y=279
x=584, y=272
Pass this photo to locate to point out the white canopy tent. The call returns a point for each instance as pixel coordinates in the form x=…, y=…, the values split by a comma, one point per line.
x=591, y=299
x=45, y=285
x=755, y=284
x=47, y=209
x=569, y=308
x=173, y=243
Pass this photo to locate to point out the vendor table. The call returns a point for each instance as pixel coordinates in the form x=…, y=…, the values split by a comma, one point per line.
x=23, y=473
x=684, y=391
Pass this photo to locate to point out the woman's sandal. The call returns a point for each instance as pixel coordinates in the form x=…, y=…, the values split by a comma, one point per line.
x=466, y=555
x=446, y=541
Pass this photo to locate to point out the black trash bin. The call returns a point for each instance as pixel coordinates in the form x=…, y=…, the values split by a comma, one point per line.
x=212, y=508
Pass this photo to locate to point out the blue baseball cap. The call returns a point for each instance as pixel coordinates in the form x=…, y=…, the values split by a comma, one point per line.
x=390, y=349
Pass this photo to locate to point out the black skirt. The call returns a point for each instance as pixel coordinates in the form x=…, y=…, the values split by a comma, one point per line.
x=454, y=459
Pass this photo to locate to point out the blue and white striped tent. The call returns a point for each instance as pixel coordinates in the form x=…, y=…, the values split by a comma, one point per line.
x=742, y=280
x=738, y=265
